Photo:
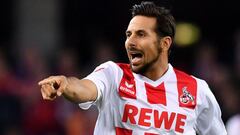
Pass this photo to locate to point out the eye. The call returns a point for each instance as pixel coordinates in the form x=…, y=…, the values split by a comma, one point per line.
x=141, y=34
x=128, y=34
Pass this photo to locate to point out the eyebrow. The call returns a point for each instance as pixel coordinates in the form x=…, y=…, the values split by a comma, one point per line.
x=140, y=30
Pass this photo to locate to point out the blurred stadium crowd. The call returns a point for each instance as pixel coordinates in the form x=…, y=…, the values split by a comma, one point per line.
x=42, y=38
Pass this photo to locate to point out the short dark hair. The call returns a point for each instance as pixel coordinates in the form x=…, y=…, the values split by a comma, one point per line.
x=166, y=24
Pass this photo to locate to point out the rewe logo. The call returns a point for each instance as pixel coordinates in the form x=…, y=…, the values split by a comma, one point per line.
x=149, y=117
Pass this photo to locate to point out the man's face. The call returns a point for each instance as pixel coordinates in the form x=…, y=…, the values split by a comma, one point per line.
x=142, y=43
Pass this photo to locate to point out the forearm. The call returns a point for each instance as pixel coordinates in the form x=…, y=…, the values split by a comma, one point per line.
x=79, y=91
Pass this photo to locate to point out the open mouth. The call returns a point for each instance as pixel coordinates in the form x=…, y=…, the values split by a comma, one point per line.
x=136, y=57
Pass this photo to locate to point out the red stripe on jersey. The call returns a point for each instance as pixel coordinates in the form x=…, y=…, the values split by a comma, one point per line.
x=98, y=69
x=150, y=134
x=122, y=131
x=156, y=95
x=127, y=86
x=187, y=90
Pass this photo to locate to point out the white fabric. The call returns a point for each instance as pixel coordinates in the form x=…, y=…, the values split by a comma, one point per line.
x=205, y=119
x=233, y=125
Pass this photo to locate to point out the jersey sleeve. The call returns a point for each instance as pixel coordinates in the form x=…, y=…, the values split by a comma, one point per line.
x=103, y=77
x=209, y=121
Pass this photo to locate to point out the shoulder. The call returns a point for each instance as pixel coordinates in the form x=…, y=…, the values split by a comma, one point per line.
x=204, y=95
x=115, y=64
x=106, y=65
x=198, y=85
x=113, y=67
x=109, y=65
x=185, y=77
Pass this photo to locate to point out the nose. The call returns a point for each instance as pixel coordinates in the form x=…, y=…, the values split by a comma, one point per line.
x=131, y=41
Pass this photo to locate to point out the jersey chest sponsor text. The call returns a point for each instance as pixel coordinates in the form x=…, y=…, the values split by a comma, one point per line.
x=149, y=117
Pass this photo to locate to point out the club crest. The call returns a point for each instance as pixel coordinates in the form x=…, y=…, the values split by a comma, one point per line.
x=186, y=97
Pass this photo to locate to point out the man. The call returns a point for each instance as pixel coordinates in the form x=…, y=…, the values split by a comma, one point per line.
x=147, y=96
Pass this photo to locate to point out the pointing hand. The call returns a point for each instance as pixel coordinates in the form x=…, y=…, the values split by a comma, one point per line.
x=53, y=86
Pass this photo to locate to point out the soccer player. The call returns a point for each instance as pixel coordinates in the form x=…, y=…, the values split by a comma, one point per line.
x=147, y=96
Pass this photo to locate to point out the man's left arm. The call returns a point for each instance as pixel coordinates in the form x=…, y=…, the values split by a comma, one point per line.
x=209, y=121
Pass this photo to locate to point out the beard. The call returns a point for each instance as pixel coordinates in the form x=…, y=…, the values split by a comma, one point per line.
x=147, y=66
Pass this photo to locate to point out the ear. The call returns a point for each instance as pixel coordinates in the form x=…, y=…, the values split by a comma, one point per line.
x=166, y=43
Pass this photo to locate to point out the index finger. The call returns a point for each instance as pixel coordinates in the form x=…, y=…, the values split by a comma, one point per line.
x=47, y=81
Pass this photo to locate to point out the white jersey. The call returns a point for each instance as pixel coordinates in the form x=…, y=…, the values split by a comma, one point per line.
x=233, y=125
x=131, y=104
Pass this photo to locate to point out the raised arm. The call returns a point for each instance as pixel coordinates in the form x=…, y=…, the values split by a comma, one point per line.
x=71, y=88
